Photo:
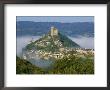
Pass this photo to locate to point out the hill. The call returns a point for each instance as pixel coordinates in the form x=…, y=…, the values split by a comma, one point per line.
x=52, y=43
x=68, y=29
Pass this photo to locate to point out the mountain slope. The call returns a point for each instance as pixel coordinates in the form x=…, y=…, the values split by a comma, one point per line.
x=40, y=28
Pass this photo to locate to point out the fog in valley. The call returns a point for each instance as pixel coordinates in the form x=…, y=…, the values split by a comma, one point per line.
x=23, y=41
x=84, y=42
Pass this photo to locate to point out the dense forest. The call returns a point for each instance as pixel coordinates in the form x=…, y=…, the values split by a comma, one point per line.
x=67, y=65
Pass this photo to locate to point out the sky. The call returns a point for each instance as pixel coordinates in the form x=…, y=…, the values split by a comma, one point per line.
x=63, y=19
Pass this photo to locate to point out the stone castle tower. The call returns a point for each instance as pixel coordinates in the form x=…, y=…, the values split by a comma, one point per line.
x=54, y=31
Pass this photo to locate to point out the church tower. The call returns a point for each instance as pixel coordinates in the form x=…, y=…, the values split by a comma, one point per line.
x=54, y=31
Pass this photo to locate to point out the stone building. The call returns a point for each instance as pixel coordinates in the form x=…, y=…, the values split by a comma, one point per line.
x=54, y=31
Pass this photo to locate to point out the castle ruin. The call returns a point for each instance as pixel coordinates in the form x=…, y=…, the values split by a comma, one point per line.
x=54, y=31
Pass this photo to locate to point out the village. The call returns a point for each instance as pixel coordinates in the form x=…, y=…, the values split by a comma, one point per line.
x=63, y=52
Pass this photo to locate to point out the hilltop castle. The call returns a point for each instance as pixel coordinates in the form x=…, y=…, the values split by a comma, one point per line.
x=54, y=31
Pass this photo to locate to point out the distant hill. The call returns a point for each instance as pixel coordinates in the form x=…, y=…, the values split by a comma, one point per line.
x=40, y=28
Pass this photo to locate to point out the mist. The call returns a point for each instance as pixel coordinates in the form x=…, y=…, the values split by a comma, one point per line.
x=84, y=42
x=23, y=41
